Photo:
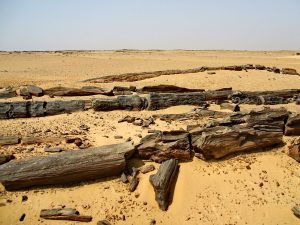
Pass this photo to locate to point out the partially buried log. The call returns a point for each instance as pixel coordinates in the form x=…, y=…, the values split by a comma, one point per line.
x=221, y=141
x=162, y=88
x=64, y=214
x=84, y=91
x=165, y=145
x=8, y=92
x=163, y=182
x=67, y=167
x=292, y=126
x=5, y=158
x=9, y=140
x=120, y=103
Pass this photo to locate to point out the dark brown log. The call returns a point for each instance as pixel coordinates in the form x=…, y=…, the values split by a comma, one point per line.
x=219, y=141
x=194, y=115
x=67, y=167
x=292, y=126
x=84, y=91
x=120, y=103
x=165, y=145
x=232, y=107
x=163, y=182
x=64, y=214
x=294, y=149
x=5, y=158
x=7, y=93
x=166, y=89
x=9, y=140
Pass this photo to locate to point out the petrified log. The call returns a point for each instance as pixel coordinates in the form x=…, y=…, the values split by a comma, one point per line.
x=35, y=109
x=165, y=145
x=162, y=88
x=163, y=182
x=64, y=214
x=292, y=126
x=294, y=149
x=120, y=103
x=194, y=115
x=7, y=93
x=84, y=91
x=9, y=140
x=29, y=90
x=67, y=167
x=29, y=140
x=220, y=141
x=117, y=90
x=5, y=158
x=232, y=107
x=164, y=100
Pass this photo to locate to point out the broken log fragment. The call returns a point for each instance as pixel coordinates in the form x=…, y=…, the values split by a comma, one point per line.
x=9, y=140
x=67, y=167
x=165, y=145
x=30, y=90
x=163, y=182
x=84, y=91
x=220, y=141
x=163, y=88
x=289, y=71
x=294, y=149
x=64, y=214
x=120, y=103
x=232, y=107
x=292, y=126
x=5, y=158
x=7, y=93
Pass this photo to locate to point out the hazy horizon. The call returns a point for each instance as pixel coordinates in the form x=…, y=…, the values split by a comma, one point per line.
x=55, y=25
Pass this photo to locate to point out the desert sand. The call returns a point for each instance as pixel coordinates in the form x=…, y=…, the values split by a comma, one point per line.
x=207, y=192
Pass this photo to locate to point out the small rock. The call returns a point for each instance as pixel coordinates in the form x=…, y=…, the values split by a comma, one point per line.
x=128, y=139
x=136, y=195
x=118, y=137
x=296, y=211
x=211, y=73
x=24, y=198
x=124, y=178
x=22, y=217
x=84, y=127
x=103, y=222
x=248, y=167
x=78, y=142
x=152, y=222
x=138, y=122
x=139, y=135
x=145, y=203
x=133, y=184
x=147, y=168
x=52, y=150
x=261, y=184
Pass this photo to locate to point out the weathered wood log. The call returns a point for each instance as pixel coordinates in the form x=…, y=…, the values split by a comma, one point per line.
x=163, y=182
x=9, y=140
x=165, y=145
x=232, y=107
x=120, y=103
x=59, y=107
x=29, y=140
x=117, y=90
x=219, y=141
x=162, y=88
x=64, y=214
x=67, y=167
x=84, y=91
x=194, y=115
x=5, y=158
x=294, y=149
x=7, y=93
x=292, y=126
x=264, y=97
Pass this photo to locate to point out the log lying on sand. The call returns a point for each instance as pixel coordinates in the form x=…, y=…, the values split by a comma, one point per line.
x=165, y=145
x=130, y=77
x=64, y=214
x=120, y=103
x=264, y=97
x=163, y=182
x=218, y=142
x=162, y=88
x=66, y=167
x=8, y=92
x=194, y=115
x=9, y=140
x=292, y=126
x=25, y=109
x=30, y=90
x=84, y=91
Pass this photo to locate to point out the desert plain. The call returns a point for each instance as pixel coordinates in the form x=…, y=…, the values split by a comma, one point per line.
x=257, y=187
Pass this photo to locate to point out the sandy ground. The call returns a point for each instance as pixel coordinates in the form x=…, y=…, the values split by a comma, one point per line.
x=214, y=192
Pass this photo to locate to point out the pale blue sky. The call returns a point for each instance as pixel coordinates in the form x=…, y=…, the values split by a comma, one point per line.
x=149, y=24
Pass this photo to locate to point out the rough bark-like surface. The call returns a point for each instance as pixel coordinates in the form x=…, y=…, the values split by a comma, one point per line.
x=84, y=91
x=292, y=126
x=64, y=214
x=67, y=167
x=166, y=89
x=31, y=90
x=5, y=158
x=264, y=97
x=218, y=142
x=194, y=115
x=294, y=149
x=120, y=103
x=29, y=140
x=7, y=93
x=59, y=107
x=163, y=181
x=165, y=145
x=9, y=140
